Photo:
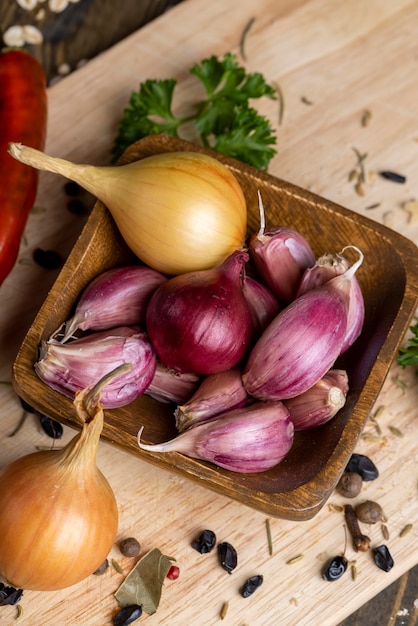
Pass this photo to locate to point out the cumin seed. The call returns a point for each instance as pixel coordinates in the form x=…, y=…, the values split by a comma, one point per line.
x=366, y=118
x=224, y=610
x=396, y=431
x=295, y=559
x=117, y=566
x=385, y=532
x=405, y=530
x=269, y=539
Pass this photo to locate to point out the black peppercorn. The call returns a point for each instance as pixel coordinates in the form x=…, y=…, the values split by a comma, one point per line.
x=127, y=615
x=227, y=556
x=51, y=427
x=335, y=568
x=250, y=585
x=48, y=259
x=361, y=464
x=383, y=558
x=205, y=542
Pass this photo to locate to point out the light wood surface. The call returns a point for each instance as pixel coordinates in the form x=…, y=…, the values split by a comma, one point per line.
x=344, y=58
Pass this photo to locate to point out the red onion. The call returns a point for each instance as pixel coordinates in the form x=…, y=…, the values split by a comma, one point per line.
x=200, y=322
x=302, y=343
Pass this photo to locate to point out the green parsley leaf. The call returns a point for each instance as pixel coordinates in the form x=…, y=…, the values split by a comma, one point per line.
x=225, y=120
x=409, y=354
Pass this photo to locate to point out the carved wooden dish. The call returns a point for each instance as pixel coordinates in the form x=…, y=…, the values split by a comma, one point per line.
x=298, y=487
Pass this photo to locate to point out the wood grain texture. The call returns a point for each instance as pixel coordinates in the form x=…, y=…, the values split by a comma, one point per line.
x=343, y=58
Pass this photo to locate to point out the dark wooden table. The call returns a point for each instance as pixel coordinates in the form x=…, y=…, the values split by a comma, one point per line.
x=79, y=33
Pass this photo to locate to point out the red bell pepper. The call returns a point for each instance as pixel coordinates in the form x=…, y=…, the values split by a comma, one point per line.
x=23, y=118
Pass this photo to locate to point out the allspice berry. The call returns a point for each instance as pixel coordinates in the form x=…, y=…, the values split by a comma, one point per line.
x=130, y=547
x=369, y=512
x=350, y=484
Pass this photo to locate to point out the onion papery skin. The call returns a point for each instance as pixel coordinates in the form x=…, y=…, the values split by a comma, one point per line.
x=177, y=211
x=59, y=515
x=200, y=322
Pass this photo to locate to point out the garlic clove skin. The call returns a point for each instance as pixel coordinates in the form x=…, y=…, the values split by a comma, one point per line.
x=68, y=368
x=319, y=404
x=170, y=386
x=326, y=267
x=280, y=256
x=247, y=440
x=263, y=305
x=216, y=394
x=116, y=297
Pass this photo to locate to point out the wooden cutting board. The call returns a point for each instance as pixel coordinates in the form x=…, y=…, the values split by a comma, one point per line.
x=332, y=61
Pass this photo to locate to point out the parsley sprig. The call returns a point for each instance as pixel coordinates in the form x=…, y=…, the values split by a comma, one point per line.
x=409, y=354
x=224, y=120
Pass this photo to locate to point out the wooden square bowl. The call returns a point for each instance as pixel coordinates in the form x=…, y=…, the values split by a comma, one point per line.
x=299, y=486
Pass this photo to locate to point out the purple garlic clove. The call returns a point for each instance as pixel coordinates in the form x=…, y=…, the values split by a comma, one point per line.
x=302, y=343
x=170, y=386
x=116, y=297
x=325, y=268
x=71, y=367
x=321, y=402
x=280, y=256
x=216, y=394
x=263, y=305
x=246, y=440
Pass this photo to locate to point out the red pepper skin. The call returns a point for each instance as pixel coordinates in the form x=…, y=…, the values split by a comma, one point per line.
x=23, y=118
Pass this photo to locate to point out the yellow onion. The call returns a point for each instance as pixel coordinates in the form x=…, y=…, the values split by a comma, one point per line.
x=177, y=211
x=58, y=513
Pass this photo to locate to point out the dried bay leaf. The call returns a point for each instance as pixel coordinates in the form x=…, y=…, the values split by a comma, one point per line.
x=143, y=584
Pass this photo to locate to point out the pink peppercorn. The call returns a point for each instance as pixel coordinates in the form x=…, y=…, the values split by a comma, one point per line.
x=173, y=572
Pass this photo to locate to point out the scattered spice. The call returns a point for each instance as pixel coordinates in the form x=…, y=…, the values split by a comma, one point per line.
x=350, y=484
x=383, y=558
x=51, y=427
x=244, y=36
x=127, y=615
x=361, y=543
x=395, y=431
x=354, y=570
x=306, y=101
x=269, y=538
x=373, y=206
x=280, y=98
x=19, y=611
x=335, y=568
x=117, y=567
x=102, y=568
x=295, y=559
x=224, y=610
x=143, y=585
x=48, y=259
x=173, y=573
x=374, y=439
x=228, y=557
x=366, y=118
x=400, y=383
x=205, y=542
x=385, y=532
x=393, y=176
x=9, y=595
x=406, y=530
x=250, y=585
x=130, y=547
x=369, y=512
x=335, y=508
x=363, y=465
